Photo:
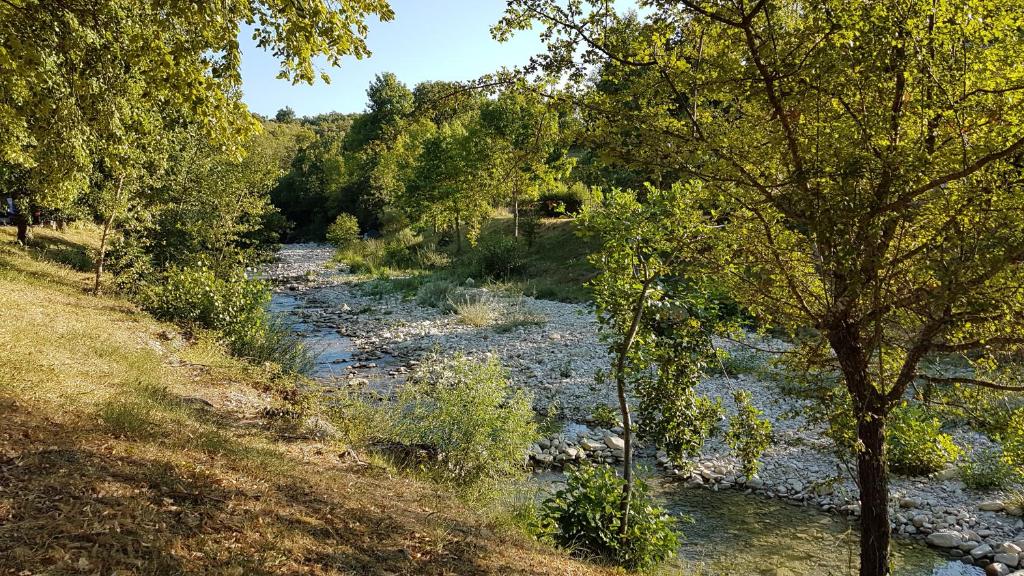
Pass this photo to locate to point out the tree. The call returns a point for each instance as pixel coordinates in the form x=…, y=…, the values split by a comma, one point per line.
x=864, y=162
x=63, y=62
x=285, y=114
x=314, y=188
x=441, y=102
x=389, y=101
x=657, y=319
x=445, y=187
x=522, y=137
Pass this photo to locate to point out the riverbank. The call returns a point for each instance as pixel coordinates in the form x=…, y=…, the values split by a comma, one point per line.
x=556, y=361
x=127, y=448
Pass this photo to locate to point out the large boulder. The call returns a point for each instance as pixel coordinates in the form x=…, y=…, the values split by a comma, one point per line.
x=615, y=443
x=981, y=552
x=997, y=569
x=1011, y=560
x=944, y=539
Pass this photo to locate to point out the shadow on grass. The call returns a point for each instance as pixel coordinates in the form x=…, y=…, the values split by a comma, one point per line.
x=74, y=501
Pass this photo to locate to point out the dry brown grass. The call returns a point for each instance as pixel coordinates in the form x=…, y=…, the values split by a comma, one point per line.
x=124, y=450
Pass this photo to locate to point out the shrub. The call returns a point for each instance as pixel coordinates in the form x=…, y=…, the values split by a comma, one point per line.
x=344, y=231
x=915, y=444
x=276, y=342
x=220, y=300
x=585, y=517
x=435, y=293
x=477, y=313
x=516, y=313
x=467, y=411
x=500, y=257
x=1014, y=502
x=401, y=250
x=988, y=469
x=564, y=202
x=743, y=361
x=234, y=306
x=605, y=416
x=749, y=433
x=1013, y=440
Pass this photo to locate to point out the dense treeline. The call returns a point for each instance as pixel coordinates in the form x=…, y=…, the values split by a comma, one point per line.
x=441, y=155
x=129, y=113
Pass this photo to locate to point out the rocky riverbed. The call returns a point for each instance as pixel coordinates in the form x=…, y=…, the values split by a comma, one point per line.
x=376, y=337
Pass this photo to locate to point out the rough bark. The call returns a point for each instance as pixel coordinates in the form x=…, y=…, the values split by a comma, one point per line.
x=21, y=221
x=874, y=497
x=627, y=423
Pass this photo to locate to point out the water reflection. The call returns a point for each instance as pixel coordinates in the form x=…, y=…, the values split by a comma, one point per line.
x=333, y=351
x=733, y=533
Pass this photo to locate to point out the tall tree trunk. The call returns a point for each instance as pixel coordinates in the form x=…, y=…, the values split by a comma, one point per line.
x=107, y=225
x=515, y=215
x=620, y=388
x=101, y=257
x=458, y=234
x=874, y=496
x=21, y=221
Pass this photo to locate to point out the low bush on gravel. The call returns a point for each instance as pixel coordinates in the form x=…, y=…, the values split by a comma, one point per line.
x=344, y=231
x=986, y=469
x=915, y=443
x=749, y=433
x=403, y=250
x=435, y=293
x=585, y=517
x=516, y=313
x=468, y=414
x=477, y=313
x=743, y=361
x=605, y=416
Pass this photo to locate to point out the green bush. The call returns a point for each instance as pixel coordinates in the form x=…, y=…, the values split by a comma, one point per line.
x=567, y=201
x=1013, y=440
x=749, y=433
x=500, y=257
x=915, y=444
x=585, y=517
x=988, y=469
x=215, y=299
x=435, y=293
x=743, y=361
x=344, y=231
x=403, y=250
x=467, y=411
x=605, y=416
x=234, y=306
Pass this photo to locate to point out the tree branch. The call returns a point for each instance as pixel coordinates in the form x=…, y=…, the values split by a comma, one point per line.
x=971, y=381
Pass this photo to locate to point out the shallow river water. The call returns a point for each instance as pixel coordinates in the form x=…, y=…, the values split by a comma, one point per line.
x=733, y=533
x=332, y=350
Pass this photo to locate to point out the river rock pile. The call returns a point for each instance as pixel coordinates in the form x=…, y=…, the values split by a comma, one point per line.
x=556, y=362
x=578, y=443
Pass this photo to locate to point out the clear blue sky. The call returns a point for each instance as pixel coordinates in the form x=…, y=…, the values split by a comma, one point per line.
x=427, y=40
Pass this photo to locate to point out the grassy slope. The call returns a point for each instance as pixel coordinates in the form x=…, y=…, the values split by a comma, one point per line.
x=112, y=462
x=556, y=263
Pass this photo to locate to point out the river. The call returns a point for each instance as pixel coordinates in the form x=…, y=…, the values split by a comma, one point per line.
x=729, y=533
